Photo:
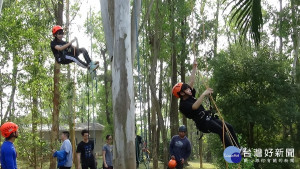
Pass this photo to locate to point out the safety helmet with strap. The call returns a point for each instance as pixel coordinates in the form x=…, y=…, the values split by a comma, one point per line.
x=8, y=128
x=176, y=89
x=55, y=29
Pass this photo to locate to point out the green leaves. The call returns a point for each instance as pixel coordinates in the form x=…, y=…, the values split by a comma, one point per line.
x=246, y=14
x=255, y=87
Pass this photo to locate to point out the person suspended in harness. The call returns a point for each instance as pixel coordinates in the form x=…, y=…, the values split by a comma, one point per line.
x=65, y=53
x=193, y=109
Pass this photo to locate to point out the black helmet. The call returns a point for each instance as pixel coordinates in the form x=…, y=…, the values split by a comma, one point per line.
x=182, y=128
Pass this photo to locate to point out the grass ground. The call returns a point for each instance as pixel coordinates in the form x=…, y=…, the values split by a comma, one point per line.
x=195, y=164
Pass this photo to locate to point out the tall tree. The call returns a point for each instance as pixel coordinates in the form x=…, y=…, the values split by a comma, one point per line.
x=122, y=88
x=280, y=26
x=1, y=2
x=174, y=102
x=155, y=37
x=216, y=27
x=58, y=11
x=119, y=40
x=14, y=86
x=295, y=38
x=71, y=94
x=106, y=82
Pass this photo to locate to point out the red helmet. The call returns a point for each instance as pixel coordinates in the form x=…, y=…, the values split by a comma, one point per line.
x=8, y=128
x=176, y=89
x=172, y=163
x=56, y=28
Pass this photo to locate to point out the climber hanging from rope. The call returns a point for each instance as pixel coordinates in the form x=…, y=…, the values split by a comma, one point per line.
x=193, y=109
x=65, y=52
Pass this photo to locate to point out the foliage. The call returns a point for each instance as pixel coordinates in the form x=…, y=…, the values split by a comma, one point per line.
x=255, y=87
x=247, y=14
x=25, y=152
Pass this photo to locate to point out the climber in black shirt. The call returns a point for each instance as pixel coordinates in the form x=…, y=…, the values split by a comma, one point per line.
x=65, y=53
x=192, y=108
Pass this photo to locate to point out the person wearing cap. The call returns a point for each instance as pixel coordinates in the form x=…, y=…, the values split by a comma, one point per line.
x=65, y=53
x=9, y=130
x=180, y=147
x=193, y=109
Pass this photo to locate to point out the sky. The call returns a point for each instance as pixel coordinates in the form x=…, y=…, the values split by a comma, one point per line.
x=77, y=29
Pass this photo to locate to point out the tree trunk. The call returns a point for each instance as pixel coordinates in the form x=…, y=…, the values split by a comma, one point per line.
x=201, y=152
x=56, y=94
x=295, y=37
x=135, y=19
x=149, y=116
x=107, y=112
x=216, y=29
x=34, y=117
x=55, y=114
x=13, y=89
x=154, y=137
x=1, y=2
x=182, y=60
x=159, y=102
x=1, y=100
x=280, y=27
x=71, y=93
x=72, y=114
x=107, y=14
x=155, y=50
x=174, y=102
x=251, y=135
x=122, y=89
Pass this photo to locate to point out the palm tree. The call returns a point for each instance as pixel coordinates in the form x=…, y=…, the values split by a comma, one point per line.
x=246, y=14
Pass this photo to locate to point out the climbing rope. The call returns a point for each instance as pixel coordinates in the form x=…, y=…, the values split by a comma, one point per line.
x=224, y=126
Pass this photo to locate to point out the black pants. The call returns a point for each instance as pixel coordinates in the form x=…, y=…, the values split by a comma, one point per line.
x=70, y=57
x=90, y=165
x=108, y=167
x=215, y=125
x=64, y=167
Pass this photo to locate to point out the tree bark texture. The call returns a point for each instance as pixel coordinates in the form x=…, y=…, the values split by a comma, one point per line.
x=107, y=111
x=122, y=89
x=107, y=14
x=56, y=94
x=13, y=89
x=174, y=102
x=1, y=2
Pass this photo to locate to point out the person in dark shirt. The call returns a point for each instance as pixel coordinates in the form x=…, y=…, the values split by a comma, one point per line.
x=84, y=151
x=138, y=148
x=180, y=147
x=192, y=108
x=65, y=53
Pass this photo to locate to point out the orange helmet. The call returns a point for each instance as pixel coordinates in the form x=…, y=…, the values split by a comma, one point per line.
x=56, y=28
x=176, y=89
x=8, y=128
x=172, y=163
